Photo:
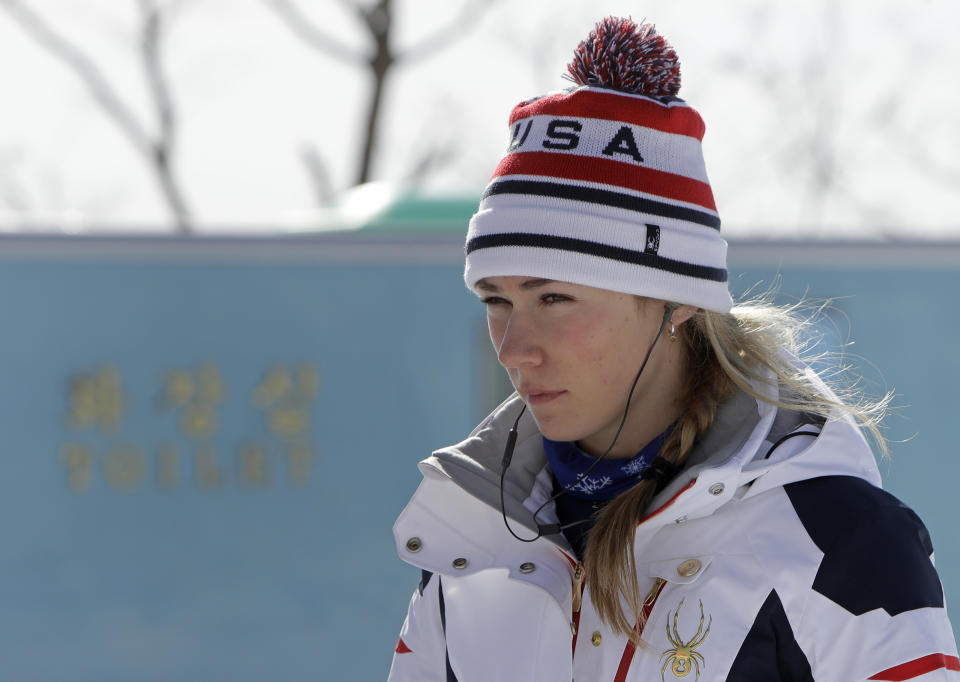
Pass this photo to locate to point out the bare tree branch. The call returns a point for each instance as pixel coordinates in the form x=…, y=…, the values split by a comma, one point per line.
x=158, y=151
x=353, y=7
x=84, y=67
x=885, y=116
x=378, y=19
x=443, y=37
x=434, y=142
x=428, y=162
x=304, y=28
x=317, y=171
x=379, y=23
x=928, y=164
x=162, y=148
x=150, y=50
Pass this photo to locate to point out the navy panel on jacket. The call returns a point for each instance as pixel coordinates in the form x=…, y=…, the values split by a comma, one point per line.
x=877, y=550
x=451, y=676
x=425, y=576
x=770, y=652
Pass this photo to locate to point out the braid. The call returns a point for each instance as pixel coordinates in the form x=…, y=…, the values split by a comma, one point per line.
x=707, y=387
x=723, y=351
x=609, y=553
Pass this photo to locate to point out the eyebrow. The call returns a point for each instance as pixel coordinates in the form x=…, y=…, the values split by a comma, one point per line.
x=528, y=284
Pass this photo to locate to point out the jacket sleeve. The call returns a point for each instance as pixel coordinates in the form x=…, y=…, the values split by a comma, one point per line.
x=876, y=609
x=421, y=651
x=912, y=645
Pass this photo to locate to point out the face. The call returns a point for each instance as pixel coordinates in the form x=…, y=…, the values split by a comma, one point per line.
x=572, y=353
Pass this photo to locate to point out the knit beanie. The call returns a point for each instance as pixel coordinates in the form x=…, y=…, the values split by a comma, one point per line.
x=603, y=184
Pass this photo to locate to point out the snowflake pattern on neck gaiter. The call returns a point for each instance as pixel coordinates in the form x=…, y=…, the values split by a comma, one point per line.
x=608, y=478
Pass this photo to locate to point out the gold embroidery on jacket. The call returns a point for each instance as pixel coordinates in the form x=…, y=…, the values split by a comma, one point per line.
x=682, y=658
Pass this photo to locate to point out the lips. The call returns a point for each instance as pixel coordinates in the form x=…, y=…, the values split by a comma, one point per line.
x=540, y=396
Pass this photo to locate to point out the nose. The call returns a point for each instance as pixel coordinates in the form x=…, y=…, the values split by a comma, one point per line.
x=519, y=346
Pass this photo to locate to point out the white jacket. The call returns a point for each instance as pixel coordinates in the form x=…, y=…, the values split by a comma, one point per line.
x=791, y=567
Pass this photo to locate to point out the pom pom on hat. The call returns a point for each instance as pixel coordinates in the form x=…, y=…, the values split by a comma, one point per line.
x=624, y=56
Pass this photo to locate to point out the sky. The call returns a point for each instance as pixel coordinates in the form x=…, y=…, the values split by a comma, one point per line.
x=825, y=118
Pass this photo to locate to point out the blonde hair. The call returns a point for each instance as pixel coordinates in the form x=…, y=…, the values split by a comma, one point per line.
x=740, y=349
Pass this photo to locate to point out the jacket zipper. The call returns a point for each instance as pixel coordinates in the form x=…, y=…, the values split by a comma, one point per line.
x=646, y=609
x=649, y=602
x=578, y=576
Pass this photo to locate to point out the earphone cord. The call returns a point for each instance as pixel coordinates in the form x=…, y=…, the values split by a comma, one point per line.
x=554, y=528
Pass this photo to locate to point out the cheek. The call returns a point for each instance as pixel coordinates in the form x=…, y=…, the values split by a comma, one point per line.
x=606, y=353
x=585, y=349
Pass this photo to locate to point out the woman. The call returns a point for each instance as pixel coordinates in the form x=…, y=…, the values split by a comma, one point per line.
x=670, y=493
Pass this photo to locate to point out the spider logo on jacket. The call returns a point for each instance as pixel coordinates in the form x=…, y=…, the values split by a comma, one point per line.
x=682, y=658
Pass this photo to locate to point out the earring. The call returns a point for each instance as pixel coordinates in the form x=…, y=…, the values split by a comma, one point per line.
x=672, y=332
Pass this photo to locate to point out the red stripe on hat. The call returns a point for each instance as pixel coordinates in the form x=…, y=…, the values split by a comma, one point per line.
x=610, y=172
x=678, y=119
x=402, y=647
x=918, y=667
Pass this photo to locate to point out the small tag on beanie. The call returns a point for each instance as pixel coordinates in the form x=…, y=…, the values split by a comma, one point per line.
x=653, y=240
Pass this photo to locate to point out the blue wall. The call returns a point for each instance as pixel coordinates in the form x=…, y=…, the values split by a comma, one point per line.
x=202, y=461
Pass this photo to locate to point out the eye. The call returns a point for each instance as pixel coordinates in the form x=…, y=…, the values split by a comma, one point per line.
x=494, y=300
x=550, y=299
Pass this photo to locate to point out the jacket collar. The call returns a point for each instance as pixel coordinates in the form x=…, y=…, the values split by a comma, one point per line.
x=475, y=463
x=731, y=460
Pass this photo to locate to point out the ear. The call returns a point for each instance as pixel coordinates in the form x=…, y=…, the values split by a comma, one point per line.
x=683, y=313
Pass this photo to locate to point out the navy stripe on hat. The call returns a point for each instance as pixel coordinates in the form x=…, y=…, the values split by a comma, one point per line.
x=604, y=197
x=617, y=253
